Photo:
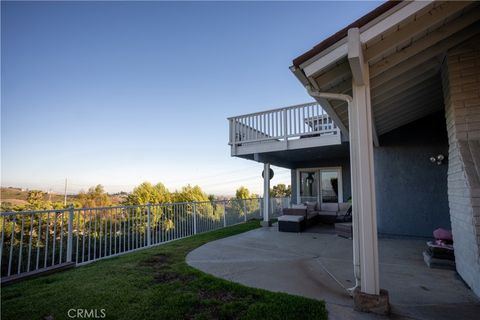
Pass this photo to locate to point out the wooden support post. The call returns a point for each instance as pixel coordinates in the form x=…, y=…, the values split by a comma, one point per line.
x=363, y=184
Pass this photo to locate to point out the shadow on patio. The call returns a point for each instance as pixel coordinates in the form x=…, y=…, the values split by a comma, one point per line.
x=306, y=264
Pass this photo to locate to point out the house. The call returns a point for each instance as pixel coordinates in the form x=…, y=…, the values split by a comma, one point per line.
x=396, y=125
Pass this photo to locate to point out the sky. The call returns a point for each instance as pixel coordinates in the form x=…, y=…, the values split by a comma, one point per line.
x=117, y=93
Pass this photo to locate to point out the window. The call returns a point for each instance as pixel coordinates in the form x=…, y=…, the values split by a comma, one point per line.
x=320, y=185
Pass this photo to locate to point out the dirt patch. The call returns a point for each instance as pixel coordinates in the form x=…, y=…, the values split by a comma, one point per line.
x=161, y=264
x=157, y=261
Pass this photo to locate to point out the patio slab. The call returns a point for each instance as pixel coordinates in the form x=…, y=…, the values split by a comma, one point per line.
x=318, y=264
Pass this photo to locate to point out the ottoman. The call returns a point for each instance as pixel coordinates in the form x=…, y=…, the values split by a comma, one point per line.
x=344, y=229
x=291, y=223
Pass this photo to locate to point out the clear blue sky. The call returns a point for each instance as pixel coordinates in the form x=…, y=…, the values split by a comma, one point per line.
x=122, y=92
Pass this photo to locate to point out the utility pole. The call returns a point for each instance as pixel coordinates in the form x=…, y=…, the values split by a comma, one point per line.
x=65, y=197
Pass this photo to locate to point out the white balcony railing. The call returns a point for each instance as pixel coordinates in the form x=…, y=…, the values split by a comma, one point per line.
x=283, y=124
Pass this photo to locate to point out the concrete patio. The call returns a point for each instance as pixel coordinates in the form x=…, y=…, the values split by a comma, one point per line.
x=306, y=264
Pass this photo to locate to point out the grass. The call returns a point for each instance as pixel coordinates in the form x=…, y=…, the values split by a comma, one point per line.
x=155, y=283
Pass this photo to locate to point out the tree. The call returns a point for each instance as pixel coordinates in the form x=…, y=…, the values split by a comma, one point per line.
x=251, y=206
x=190, y=194
x=148, y=193
x=280, y=191
x=35, y=199
x=94, y=197
x=242, y=193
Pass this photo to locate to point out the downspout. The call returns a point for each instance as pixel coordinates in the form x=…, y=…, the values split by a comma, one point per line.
x=356, y=245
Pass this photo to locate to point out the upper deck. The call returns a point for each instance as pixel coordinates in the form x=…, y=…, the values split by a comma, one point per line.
x=295, y=127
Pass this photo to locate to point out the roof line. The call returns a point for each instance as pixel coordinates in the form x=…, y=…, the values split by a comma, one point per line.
x=343, y=32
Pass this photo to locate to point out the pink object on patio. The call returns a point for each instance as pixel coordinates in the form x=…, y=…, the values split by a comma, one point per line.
x=443, y=234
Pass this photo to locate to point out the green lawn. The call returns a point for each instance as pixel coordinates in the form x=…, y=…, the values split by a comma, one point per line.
x=154, y=283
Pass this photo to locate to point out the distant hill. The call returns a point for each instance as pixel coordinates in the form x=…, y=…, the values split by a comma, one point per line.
x=13, y=193
x=11, y=197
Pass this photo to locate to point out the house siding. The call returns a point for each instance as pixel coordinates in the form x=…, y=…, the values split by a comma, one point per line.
x=461, y=86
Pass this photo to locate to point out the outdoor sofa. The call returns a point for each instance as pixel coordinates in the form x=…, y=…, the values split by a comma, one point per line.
x=327, y=213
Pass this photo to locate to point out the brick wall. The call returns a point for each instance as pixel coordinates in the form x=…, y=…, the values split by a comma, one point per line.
x=461, y=87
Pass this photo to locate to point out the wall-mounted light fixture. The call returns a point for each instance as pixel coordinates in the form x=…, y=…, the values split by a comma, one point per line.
x=437, y=159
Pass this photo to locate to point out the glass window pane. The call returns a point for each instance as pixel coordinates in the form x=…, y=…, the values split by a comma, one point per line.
x=308, y=186
x=329, y=186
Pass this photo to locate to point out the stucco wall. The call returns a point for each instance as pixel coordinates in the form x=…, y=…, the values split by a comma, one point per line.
x=411, y=191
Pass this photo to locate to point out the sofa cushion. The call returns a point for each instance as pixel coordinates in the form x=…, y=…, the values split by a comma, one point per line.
x=329, y=207
x=327, y=213
x=299, y=206
x=289, y=218
x=294, y=211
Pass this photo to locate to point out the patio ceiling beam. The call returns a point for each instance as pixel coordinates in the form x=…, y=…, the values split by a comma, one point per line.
x=339, y=50
x=407, y=90
x=427, y=107
x=427, y=58
x=425, y=88
x=334, y=75
x=434, y=16
x=434, y=41
x=341, y=87
x=391, y=111
x=386, y=90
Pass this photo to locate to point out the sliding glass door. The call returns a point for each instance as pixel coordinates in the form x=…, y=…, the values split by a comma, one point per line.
x=321, y=185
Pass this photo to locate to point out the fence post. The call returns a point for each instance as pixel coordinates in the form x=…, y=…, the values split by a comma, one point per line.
x=245, y=209
x=224, y=214
x=70, y=234
x=194, y=218
x=149, y=236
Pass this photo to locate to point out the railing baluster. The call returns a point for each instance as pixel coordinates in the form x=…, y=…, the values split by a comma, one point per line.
x=47, y=231
x=116, y=234
x=95, y=240
x=100, y=225
x=21, y=246
x=38, y=240
x=78, y=236
x=110, y=233
x=61, y=239
x=105, y=235
x=32, y=221
x=54, y=238
x=4, y=221
x=12, y=240
x=83, y=235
